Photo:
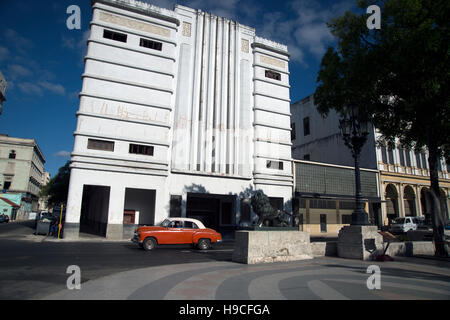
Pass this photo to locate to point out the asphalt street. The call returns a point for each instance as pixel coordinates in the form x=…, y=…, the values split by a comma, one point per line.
x=34, y=267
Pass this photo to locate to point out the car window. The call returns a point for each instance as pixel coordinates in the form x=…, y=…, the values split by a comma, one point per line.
x=190, y=225
x=399, y=220
x=165, y=223
x=175, y=224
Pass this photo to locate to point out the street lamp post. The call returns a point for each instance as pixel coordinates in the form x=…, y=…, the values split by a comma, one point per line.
x=354, y=130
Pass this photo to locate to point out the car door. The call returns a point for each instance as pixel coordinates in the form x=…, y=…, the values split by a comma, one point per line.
x=174, y=233
x=189, y=228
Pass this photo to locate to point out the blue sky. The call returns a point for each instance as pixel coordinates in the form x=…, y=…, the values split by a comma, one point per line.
x=42, y=60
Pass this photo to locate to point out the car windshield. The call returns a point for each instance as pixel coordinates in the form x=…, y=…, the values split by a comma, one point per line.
x=399, y=220
x=165, y=223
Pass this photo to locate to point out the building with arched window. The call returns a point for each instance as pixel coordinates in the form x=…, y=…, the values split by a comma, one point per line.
x=403, y=174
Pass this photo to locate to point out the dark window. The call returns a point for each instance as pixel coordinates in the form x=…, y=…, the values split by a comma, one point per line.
x=307, y=157
x=12, y=154
x=190, y=225
x=391, y=156
x=323, y=223
x=383, y=154
x=293, y=131
x=306, y=126
x=273, y=75
x=419, y=164
x=175, y=206
x=151, y=44
x=408, y=158
x=424, y=161
x=401, y=152
x=141, y=149
x=116, y=36
x=6, y=185
x=274, y=165
x=100, y=145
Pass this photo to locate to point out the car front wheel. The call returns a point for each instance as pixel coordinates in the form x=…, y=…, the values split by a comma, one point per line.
x=204, y=244
x=149, y=244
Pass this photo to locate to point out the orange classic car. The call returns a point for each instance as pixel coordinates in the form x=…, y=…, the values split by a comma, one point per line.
x=176, y=231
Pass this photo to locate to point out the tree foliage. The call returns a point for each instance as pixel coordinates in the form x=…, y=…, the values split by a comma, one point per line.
x=58, y=187
x=397, y=75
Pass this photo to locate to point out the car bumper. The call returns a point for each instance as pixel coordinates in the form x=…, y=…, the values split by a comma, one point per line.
x=136, y=239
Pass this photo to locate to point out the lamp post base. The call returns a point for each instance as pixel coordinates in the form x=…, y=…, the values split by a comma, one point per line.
x=359, y=242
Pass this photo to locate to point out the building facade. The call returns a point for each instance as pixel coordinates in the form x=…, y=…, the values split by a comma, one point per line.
x=182, y=113
x=21, y=171
x=403, y=175
x=43, y=205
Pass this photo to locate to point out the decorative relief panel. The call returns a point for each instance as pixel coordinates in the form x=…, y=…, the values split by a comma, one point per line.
x=186, y=29
x=133, y=24
x=244, y=45
x=272, y=61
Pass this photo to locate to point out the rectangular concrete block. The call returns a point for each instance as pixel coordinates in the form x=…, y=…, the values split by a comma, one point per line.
x=359, y=242
x=271, y=246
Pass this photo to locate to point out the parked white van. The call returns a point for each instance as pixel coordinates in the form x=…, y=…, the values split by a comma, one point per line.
x=405, y=224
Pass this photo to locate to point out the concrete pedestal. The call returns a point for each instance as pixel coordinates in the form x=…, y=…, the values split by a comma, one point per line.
x=359, y=242
x=271, y=246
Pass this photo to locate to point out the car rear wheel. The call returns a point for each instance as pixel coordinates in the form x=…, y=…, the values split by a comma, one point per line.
x=149, y=244
x=204, y=244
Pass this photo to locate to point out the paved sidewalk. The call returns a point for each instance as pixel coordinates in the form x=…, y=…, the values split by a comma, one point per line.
x=320, y=278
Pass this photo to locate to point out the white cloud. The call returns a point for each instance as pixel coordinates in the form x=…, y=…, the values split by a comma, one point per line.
x=15, y=71
x=30, y=88
x=62, y=154
x=52, y=87
x=39, y=88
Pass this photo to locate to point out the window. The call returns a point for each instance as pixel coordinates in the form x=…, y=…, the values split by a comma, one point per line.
x=323, y=223
x=306, y=130
x=391, y=156
x=274, y=164
x=383, y=154
x=175, y=206
x=116, y=36
x=12, y=154
x=408, y=158
x=141, y=149
x=293, y=131
x=151, y=44
x=273, y=75
x=419, y=164
x=307, y=157
x=100, y=145
x=6, y=185
x=424, y=161
x=401, y=152
x=190, y=225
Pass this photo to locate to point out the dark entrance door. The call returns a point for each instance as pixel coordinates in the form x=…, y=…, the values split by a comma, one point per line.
x=215, y=211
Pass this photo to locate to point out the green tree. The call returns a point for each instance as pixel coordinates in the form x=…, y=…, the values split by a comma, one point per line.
x=398, y=76
x=58, y=187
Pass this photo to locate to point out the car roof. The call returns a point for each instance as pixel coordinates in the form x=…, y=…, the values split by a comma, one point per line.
x=198, y=222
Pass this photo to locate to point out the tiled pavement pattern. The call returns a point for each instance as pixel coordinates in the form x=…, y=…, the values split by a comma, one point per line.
x=320, y=278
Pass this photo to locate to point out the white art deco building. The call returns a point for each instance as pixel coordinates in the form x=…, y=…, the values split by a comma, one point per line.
x=182, y=113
